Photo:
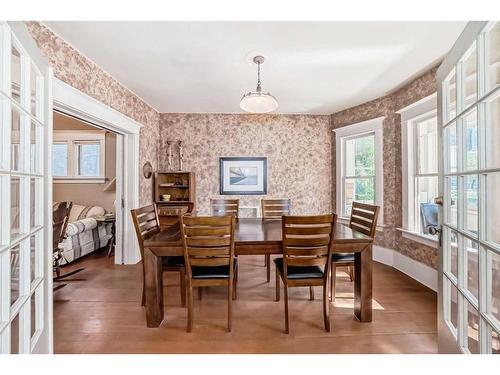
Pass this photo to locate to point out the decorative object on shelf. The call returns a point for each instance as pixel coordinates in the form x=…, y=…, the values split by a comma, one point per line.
x=243, y=176
x=165, y=197
x=169, y=155
x=258, y=101
x=181, y=155
x=147, y=170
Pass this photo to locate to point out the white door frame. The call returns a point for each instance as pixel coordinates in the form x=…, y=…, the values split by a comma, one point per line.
x=75, y=103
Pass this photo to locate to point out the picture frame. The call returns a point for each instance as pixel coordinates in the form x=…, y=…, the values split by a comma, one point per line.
x=243, y=175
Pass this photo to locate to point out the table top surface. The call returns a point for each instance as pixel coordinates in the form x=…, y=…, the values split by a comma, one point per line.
x=256, y=231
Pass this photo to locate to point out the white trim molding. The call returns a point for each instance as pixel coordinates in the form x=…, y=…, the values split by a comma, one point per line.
x=418, y=271
x=73, y=102
x=374, y=126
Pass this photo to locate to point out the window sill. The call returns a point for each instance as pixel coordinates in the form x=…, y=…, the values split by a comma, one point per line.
x=420, y=238
x=79, y=180
x=345, y=221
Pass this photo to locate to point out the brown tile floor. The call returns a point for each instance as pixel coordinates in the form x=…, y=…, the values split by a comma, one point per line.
x=100, y=312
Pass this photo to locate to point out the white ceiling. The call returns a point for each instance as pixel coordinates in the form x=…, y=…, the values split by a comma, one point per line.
x=311, y=67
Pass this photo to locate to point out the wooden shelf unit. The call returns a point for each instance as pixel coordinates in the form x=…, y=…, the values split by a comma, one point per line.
x=182, y=189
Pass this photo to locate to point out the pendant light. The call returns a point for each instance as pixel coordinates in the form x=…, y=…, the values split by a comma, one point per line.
x=258, y=101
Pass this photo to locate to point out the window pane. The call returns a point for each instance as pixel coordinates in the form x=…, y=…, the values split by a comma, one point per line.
x=451, y=148
x=454, y=305
x=470, y=126
x=360, y=156
x=450, y=87
x=452, y=242
x=471, y=204
x=470, y=78
x=493, y=47
x=495, y=342
x=35, y=148
x=88, y=159
x=14, y=274
x=472, y=264
x=427, y=146
x=472, y=329
x=493, y=132
x=14, y=335
x=15, y=140
x=427, y=190
x=15, y=209
x=59, y=159
x=34, y=82
x=452, y=200
x=15, y=61
x=33, y=253
x=493, y=207
x=359, y=190
x=494, y=303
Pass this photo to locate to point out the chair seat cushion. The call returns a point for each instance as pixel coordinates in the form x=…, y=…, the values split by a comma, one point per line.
x=215, y=272
x=300, y=272
x=172, y=261
x=343, y=257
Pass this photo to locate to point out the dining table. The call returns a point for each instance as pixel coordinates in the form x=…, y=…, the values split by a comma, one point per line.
x=257, y=236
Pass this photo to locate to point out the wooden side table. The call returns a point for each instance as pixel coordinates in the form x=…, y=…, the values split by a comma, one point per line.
x=109, y=220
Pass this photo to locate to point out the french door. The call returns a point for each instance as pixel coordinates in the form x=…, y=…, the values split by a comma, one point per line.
x=469, y=260
x=25, y=217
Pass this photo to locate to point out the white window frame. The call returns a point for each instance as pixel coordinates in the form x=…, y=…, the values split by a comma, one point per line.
x=372, y=126
x=410, y=115
x=74, y=138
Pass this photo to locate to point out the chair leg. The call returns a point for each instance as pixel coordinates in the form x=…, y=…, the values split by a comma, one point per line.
x=285, y=292
x=235, y=282
x=311, y=293
x=229, y=305
x=268, y=265
x=143, y=302
x=326, y=306
x=182, y=277
x=332, y=283
x=277, y=286
x=200, y=293
x=265, y=260
x=190, y=307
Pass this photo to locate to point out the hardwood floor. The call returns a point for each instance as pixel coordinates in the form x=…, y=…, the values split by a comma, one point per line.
x=100, y=312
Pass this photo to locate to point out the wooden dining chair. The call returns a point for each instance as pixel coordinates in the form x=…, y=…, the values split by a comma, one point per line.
x=146, y=224
x=306, y=257
x=225, y=207
x=364, y=220
x=209, y=256
x=273, y=209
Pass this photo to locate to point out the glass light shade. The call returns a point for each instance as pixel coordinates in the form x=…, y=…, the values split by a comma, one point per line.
x=258, y=102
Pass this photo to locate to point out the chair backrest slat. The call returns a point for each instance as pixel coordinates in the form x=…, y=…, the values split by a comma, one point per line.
x=225, y=207
x=208, y=241
x=146, y=223
x=307, y=240
x=364, y=218
x=273, y=209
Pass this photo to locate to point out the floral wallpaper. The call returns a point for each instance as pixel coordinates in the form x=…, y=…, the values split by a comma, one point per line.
x=78, y=71
x=393, y=211
x=297, y=147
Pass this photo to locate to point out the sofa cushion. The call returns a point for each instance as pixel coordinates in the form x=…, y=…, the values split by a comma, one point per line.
x=79, y=212
x=80, y=226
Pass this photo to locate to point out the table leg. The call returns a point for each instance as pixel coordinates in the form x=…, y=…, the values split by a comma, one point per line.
x=363, y=291
x=111, y=246
x=154, y=288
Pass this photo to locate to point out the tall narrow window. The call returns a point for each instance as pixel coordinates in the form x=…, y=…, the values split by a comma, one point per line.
x=359, y=165
x=420, y=169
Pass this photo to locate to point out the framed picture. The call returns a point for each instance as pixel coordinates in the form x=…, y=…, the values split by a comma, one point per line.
x=243, y=176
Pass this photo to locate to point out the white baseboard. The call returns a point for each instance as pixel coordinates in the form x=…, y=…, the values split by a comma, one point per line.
x=416, y=270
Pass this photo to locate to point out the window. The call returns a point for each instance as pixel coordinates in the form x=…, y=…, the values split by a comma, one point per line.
x=420, y=169
x=78, y=156
x=359, y=165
